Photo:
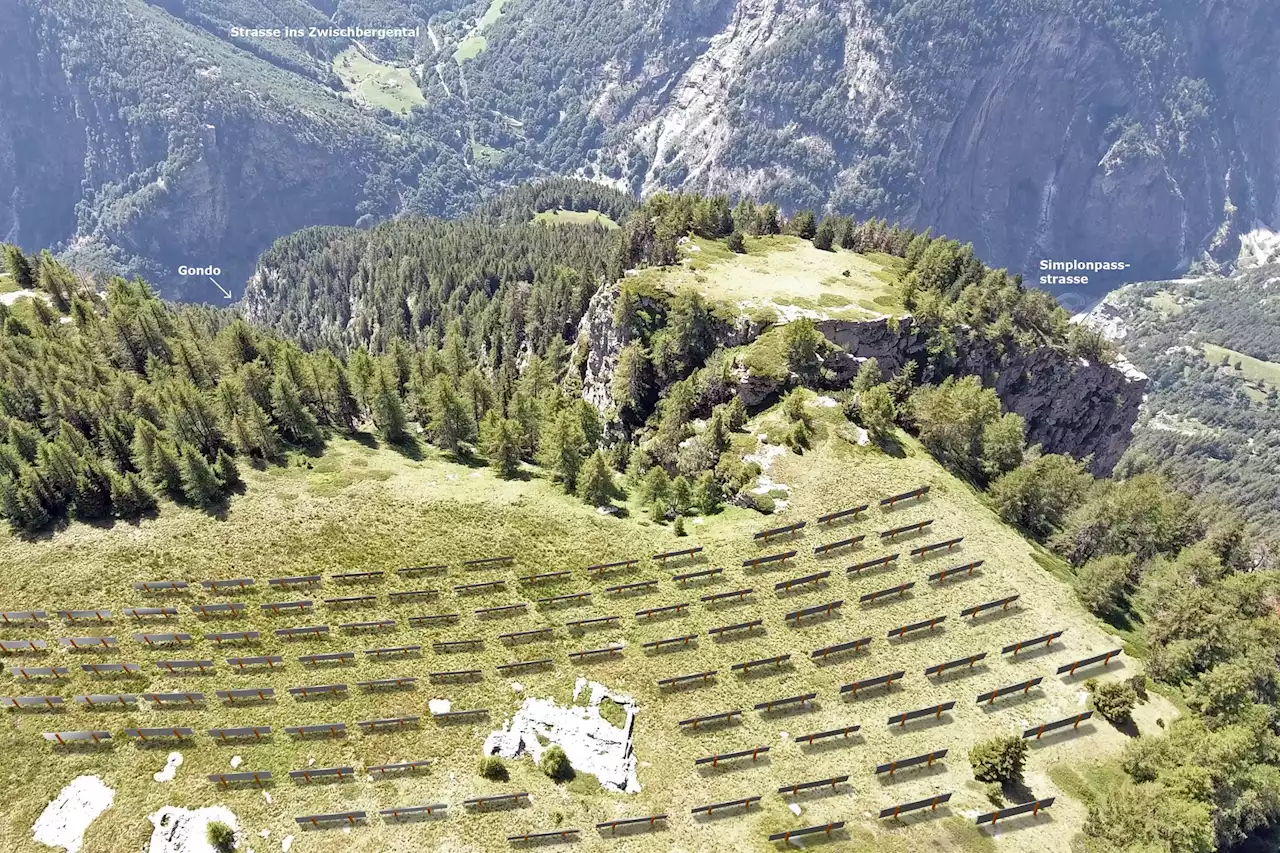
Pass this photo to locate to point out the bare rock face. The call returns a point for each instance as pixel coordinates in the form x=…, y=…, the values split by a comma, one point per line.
x=606, y=344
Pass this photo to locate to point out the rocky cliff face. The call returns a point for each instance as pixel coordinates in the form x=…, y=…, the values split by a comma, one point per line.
x=1071, y=406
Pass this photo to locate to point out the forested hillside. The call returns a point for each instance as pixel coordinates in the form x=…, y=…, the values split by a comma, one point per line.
x=1212, y=350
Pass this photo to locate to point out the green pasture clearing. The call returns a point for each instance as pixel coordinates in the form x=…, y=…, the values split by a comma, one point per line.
x=486, y=155
x=475, y=43
x=378, y=84
x=575, y=217
x=785, y=275
x=369, y=508
x=1253, y=369
x=1164, y=302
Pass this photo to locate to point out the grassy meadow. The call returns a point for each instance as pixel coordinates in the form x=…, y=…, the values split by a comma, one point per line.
x=366, y=507
x=377, y=84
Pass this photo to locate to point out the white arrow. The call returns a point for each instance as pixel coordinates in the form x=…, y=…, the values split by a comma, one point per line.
x=225, y=292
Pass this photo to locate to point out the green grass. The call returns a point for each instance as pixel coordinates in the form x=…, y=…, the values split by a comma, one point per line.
x=360, y=508
x=575, y=217
x=785, y=275
x=475, y=43
x=377, y=84
x=1256, y=370
x=1164, y=302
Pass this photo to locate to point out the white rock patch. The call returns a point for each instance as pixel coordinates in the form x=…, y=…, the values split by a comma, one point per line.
x=286, y=843
x=64, y=821
x=236, y=761
x=795, y=809
x=592, y=744
x=439, y=706
x=179, y=830
x=170, y=768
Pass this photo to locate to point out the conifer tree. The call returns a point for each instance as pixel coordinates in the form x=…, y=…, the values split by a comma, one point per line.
x=346, y=410
x=450, y=424
x=165, y=470
x=93, y=491
x=388, y=410
x=500, y=443
x=681, y=495
x=825, y=237
x=564, y=447
x=19, y=267
x=656, y=486
x=130, y=498
x=706, y=493
x=229, y=472
x=294, y=419
x=595, y=484
x=199, y=482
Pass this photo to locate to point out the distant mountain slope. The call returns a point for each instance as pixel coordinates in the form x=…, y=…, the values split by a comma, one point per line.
x=1125, y=130
x=1211, y=348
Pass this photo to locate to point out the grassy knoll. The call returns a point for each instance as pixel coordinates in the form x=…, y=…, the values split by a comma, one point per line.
x=475, y=43
x=362, y=507
x=788, y=276
x=1263, y=373
x=574, y=217
x=377, y=83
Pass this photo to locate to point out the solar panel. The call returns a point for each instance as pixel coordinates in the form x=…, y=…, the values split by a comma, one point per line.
x=1023, y=687
x=570, y=598
x=412, y=595
x=1032, y=808
x=28, y=672
x=816, y=610
x=149, y=612
x=96, y=700
x=744, y=803
x=935, y=711
x=488, y=561
x=582, y=624
x=349, y=818
x=207, y=609
x=1002, y=603
x=721, y=630
x=969, y=661
x=456, y=675
x=1046, y=639
x=804, y=700
x=484, y=586
x=232, y=583
x=746, y=666
x=394, y=651
x=304, y=631
x=926, y=759
x=246, y=694
x=388, y=683
x=1074, y=722
x=905, y=496
x=714, y=760
x=766, y=535
x=306, y=775
x=633, y=587
x=457, y=715
x=899, y=590
x=676, y=680
x=609, y=651
x=294, y=580
x=100, y=669
x=930, y=803
x=823, y=550
x=929, y=624
x=355, y=577
x=600, y=568
x=839, y=514
x=671, y=555
x=526, y=636
x=9, y=617
x=894, y=532
x=562, y=834
x=233, y=637
x=827, y=828
x=946, y=545
x=330, y=729
x=387, y=723
x=756, y=562
x=955, y=571
x=310, y=690
x=544, y=577
x=887, y=680
x=162, y=639
x=27, y=645
x=174, y=698
x=496, y=799
x=160, y=586
x=63, y=738
x=176, y=732
x=241, y=732
x=424, y=621
x=878, y=562
x=278, y=607
x=401, y=767
x=32, y=701
x=682, y=642
x=80, y=643
x=787, y=585
x=849, y=646
x=1104, y=659
x=689, y=576
x=650, y=612
x=171, y=666
x=457, y=645
x=648, y=821
x=269, y=661
x=327, y=657
x=842, y=732
x=84, y=615
x=257, y=777
x=406, y=812
x=370, y=625
x=738, y=594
